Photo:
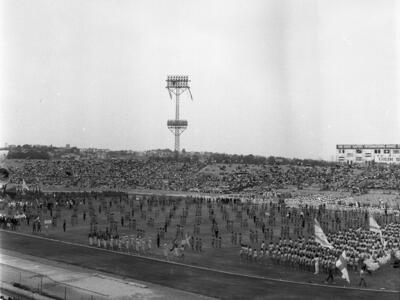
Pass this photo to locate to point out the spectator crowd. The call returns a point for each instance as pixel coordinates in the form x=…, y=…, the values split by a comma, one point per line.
x=118, y=174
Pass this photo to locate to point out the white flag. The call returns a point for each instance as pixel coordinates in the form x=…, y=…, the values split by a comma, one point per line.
x=341, y=264
x=320, y=236
x=186, y=241
x=24, y=185
x=373, y=226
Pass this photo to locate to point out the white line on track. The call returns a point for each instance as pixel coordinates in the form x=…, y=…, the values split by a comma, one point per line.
x=199, y=267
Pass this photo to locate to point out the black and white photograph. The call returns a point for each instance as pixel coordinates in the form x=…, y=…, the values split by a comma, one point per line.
x=199, y=149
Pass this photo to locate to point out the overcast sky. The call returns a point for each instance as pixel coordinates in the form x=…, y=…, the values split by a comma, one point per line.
x=280, y=77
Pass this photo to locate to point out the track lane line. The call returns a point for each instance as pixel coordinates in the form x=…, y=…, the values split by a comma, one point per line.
x=198, y=267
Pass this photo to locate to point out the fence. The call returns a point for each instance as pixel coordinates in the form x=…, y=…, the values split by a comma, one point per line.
x=44, y=285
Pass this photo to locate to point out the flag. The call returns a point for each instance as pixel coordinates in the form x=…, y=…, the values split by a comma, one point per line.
x=374, y=227
x=320, y=236
x=384, y=259
x=371, y=264
x=341, y=264
x=186, y=241
x=24, y=185
x=397, y=254
x=3, y=155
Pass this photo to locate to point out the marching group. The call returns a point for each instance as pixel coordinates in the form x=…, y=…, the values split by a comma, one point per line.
x=268, y=232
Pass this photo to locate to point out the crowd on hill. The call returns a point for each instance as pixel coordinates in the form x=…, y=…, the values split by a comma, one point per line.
x=187, y=175
x=108, y=174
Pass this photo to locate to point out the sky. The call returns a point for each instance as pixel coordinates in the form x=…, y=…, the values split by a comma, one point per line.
x=286, y=78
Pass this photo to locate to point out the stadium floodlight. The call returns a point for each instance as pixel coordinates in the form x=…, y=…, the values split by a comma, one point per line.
x=178, y=82
x=177, y=85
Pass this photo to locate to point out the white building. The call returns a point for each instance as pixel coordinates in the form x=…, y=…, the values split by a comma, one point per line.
x=381, y=153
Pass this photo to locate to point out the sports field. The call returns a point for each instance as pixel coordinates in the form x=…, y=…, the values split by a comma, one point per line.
x=225, y=257
x=197, y=280
x=208, y=272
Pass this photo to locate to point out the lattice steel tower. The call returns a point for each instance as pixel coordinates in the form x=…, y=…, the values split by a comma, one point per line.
x=177, y=85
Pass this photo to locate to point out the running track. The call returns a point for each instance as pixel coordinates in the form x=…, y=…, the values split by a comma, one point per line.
x=196, y=280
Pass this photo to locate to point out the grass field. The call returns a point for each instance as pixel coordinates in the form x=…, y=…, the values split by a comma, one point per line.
x=226, y=258
x=196, y=280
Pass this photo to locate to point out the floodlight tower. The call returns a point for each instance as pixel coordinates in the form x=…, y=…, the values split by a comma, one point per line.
x=177, y=85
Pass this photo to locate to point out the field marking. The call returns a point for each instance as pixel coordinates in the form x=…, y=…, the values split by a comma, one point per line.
x=199, y=267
